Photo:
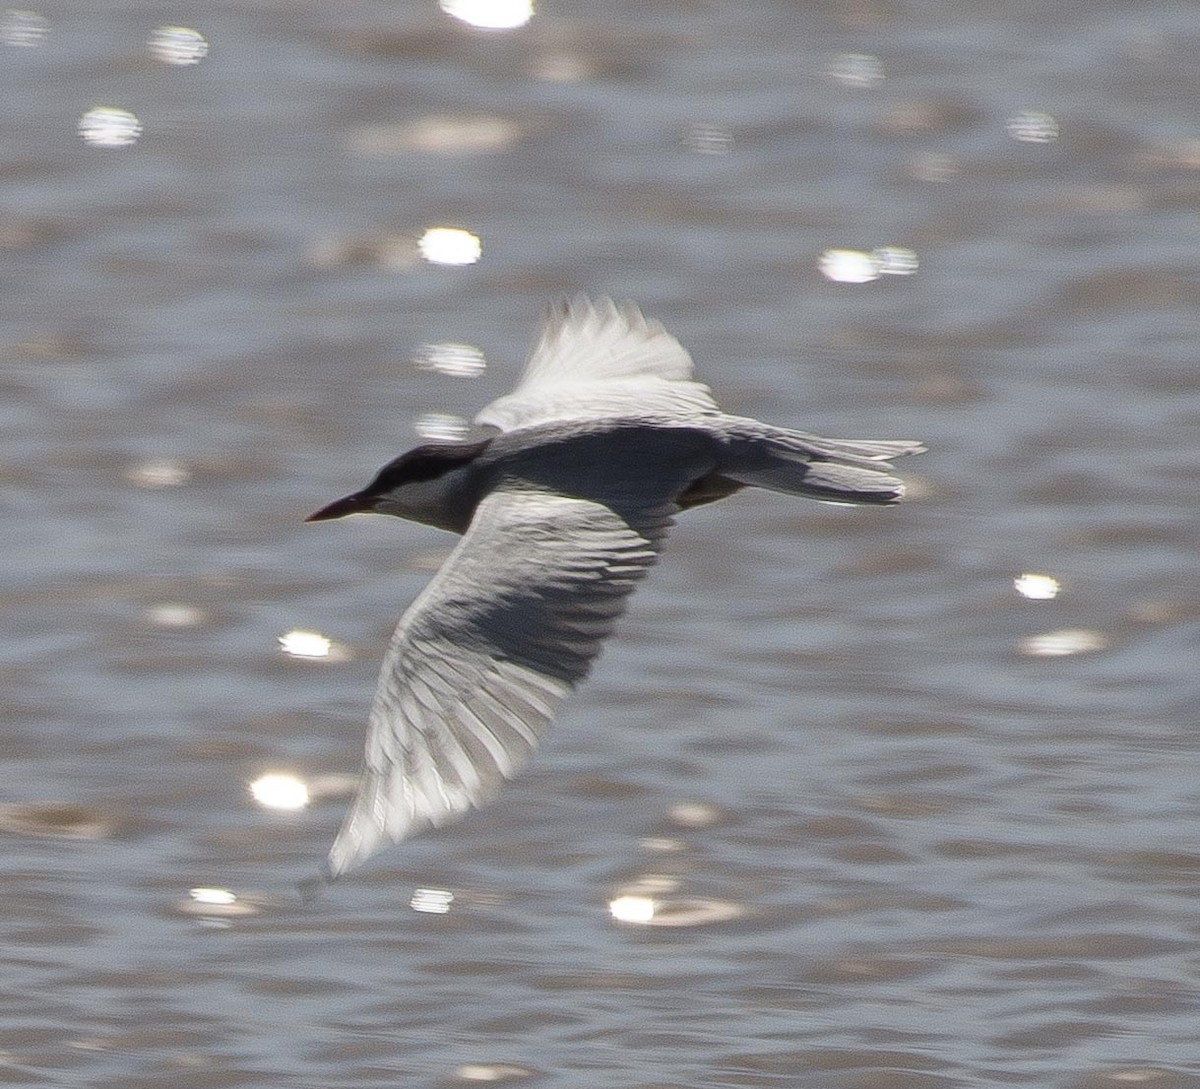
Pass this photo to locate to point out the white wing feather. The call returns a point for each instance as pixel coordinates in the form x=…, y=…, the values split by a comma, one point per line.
x=482, y=659
x=598, y=359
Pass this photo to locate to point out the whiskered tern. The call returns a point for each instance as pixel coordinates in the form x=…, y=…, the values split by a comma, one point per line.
x=563, y=501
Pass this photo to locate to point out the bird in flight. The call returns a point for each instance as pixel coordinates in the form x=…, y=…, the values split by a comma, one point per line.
x=563, y=497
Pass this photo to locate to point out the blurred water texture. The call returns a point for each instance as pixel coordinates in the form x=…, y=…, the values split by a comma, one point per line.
x=858, y=797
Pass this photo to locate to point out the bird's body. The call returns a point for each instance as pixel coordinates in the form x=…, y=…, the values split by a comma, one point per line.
x=563, y=502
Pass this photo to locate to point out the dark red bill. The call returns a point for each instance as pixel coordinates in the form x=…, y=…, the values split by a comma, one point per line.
x=339, y=508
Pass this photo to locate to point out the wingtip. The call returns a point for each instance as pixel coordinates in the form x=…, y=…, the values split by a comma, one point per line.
x=579, y=309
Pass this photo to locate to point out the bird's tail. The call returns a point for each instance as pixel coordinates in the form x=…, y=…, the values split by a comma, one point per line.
x=834, y=470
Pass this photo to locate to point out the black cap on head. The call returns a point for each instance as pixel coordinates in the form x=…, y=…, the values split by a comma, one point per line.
x=424, y=463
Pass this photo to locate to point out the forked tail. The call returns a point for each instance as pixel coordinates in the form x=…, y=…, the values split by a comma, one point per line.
x=833, y=470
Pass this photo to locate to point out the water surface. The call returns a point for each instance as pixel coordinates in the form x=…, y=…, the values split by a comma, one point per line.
x=891, y=821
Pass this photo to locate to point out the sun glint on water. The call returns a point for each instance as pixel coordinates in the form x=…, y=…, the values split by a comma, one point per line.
x=490, y=14
x=450, y=246
x=278, y=790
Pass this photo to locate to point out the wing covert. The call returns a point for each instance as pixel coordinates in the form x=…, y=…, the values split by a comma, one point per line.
x=600, y=359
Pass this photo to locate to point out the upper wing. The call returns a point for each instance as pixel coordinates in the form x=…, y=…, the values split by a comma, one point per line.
x=600, y=359
x=481, y=660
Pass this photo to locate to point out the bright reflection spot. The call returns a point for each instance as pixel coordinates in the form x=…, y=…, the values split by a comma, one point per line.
x=450, y=246
x=848, y=266
x=305, y=644
x=490, y=14
x=1033, y=127
x=109, y=126
x=432, y=901
x=457, y=360
x=212, y=896
x=158, y=473
x=632, y=909
x=695, y=814
x=645, y=911
x=1059, y=644
x=491, y=1072
x=279, y=791
x=1037, y=587
x=895, y=261
x=708, y=140
x=845, y=266
x=856, y=69
x=23, y=28
x=311, y=644
x=215, y=906
x=178, y=45
x=171, y=615
x=442, y=427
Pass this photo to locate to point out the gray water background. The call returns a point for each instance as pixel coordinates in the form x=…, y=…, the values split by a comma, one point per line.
x=901, y=847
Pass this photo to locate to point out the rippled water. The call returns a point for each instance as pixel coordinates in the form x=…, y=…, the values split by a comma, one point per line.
x=840, y=806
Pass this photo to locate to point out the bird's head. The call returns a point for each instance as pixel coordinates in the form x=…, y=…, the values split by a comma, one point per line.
x=424, y=485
